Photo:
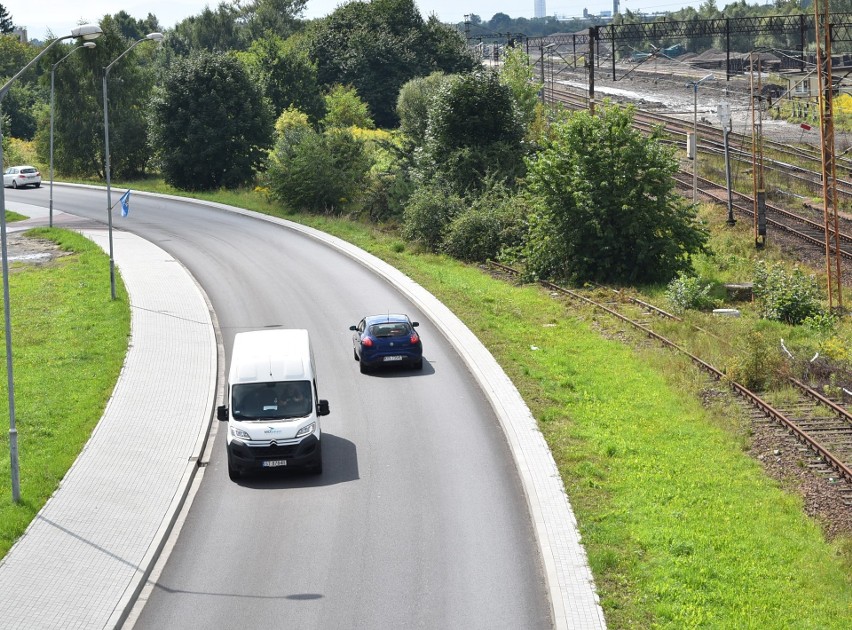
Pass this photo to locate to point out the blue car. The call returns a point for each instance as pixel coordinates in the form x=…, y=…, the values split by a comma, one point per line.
x=387, y=340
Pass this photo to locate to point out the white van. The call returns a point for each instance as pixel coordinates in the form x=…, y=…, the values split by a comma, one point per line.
x=273, y=406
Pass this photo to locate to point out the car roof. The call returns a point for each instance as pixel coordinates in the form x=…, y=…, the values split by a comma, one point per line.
x=386, y=318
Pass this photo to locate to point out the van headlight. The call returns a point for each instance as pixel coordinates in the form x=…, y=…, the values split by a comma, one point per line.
x=239, y=433
x=306, y=430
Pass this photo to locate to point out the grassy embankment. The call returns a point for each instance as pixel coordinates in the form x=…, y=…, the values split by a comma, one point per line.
x=682, y=528
x=68, y=345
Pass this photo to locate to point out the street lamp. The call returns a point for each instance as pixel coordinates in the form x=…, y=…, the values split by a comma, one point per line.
x=87, y=32
x=52, y=77
x=695, y=85
x=149, y=37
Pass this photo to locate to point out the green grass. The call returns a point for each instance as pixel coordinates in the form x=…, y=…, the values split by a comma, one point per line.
x=682, y=528
x=11, y=217
x=68, y=345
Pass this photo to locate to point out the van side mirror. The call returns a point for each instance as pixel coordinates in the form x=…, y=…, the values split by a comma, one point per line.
x=322, y=408
x=222, y=412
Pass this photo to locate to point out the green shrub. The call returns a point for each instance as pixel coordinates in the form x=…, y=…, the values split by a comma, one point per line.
x=430, y=210
x=494, y=222
x=689, y=292
x=757, y=364
x=785, y=297
x=318, y=172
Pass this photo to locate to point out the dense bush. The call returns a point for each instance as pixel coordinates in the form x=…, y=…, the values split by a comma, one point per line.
x=209, y=123
x=785, y=297
x=757, y=363
x=317, y=172
x=429, y=211
x=609, y=209
x=689, y=292
x=494, y=222
x=475, y=132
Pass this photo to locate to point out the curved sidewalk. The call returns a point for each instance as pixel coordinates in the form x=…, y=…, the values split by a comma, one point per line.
x=85, y=556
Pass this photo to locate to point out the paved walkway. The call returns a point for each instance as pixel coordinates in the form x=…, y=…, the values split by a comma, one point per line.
x=88, y=552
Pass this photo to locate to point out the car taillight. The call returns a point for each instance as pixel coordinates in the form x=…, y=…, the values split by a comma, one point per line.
x=414, y=338
x=366, y=341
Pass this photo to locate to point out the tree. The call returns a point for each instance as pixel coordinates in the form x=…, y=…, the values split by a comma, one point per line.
x=415, y=102
x=14, y=55
x=262, y=18
x=6, y=25
x=210, y=125
x=209, y=30
x=285, y=74
x=474, y=131
x=317, y=172
x=78, y=108
x=516, y=72
x=377, y=46
x=345, y=109
x=609, y=211
x=134, y=29
x=19, y=101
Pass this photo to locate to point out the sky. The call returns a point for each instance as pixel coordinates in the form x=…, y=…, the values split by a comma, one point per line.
x=60, y=16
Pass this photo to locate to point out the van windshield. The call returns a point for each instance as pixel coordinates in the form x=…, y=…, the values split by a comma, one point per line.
x=275, y=400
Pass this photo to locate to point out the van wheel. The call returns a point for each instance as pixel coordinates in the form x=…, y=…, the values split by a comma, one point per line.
x=233, y=472
x=316, y=468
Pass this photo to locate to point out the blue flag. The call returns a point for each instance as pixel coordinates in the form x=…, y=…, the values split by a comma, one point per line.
x=125, y=203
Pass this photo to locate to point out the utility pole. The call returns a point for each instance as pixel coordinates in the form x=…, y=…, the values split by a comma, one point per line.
x=725, y=119
x=757, y=156
x=822, y=34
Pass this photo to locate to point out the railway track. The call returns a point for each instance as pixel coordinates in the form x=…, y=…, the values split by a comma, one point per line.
x=821, y=427
x=795, y=224
x=802, y=164
x=801, y=224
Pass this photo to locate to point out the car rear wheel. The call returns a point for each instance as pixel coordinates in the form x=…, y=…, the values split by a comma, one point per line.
x=364, y=368
x=37, y=185
x=14, y=184
x=419, y=364
x=355, y=354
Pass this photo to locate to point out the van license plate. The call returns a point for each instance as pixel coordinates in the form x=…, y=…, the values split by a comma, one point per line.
x=272, y=463
x=394, y=357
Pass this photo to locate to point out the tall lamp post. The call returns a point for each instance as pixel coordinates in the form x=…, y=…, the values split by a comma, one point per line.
x=87, y=32
x=52, y=78
x=149, y=37
x=695, y=85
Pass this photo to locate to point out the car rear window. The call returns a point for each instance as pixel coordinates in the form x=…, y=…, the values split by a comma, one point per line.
x=28, y=170
x=390, y=329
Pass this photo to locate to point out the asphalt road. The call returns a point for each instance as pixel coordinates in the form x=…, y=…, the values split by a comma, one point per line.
x=418, y=520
